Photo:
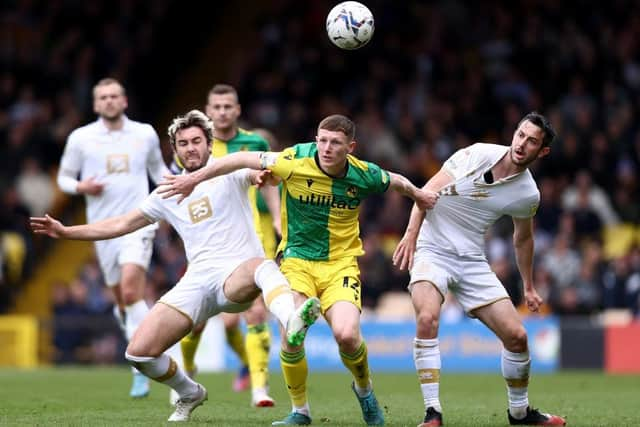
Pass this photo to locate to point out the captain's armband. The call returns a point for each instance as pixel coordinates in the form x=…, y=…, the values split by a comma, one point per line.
x=268, y=159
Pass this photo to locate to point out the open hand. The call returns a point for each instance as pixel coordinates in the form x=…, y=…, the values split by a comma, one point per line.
x=403, y=255
x=176, y=185
x=262, y=178
x=47, y=225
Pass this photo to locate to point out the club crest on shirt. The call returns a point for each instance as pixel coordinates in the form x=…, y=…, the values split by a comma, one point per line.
x=449, y=190
x=352, y=191
x=118, y=163
x=200, y=209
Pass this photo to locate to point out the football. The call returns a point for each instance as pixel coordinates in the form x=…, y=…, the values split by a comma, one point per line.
x=350, y=25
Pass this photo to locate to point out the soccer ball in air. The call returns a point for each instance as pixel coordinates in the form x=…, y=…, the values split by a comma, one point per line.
x=350, y=25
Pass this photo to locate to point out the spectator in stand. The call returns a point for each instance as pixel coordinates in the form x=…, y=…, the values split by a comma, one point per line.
x=597, y=198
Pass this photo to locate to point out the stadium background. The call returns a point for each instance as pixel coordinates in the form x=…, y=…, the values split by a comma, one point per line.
x=437, y=76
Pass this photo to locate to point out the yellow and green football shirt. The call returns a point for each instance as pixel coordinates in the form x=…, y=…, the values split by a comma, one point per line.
x=320, y=212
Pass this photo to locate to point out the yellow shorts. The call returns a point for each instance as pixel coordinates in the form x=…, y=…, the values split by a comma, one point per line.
x=330, y=281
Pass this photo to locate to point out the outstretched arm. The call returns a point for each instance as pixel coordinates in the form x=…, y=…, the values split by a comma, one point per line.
x=106, y=229
x=523, y=244
x=403, y=255
x=425, y=199
x=183, y=185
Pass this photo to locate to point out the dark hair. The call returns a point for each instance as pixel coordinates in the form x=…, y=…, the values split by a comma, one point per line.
x=337, y=122
x=543, y=123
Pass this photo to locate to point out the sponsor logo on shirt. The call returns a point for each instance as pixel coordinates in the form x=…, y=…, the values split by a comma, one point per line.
x=200, y=209
x=330, y=201
x=118, y=163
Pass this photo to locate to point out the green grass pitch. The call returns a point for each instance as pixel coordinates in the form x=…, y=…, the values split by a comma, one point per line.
x=98, y=397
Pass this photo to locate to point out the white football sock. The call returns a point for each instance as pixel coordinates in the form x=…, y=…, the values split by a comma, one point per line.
x=165, y=370
x=134, y=314
x=275, y=290
x=119, y=318
x=426, y=355
x=515, y=370
x=304, y=409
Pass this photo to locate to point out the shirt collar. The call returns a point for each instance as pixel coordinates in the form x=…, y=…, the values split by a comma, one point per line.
x=126, y=124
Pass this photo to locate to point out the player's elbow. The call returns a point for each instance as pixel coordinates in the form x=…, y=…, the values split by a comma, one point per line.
x=522, y=240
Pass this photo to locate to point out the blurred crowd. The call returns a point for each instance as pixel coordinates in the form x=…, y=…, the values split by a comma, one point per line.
x=436, y=77
x=439, y=76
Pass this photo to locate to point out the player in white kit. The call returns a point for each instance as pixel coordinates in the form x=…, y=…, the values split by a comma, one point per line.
x=226, y=269
x=108, y=161
x=445, y=252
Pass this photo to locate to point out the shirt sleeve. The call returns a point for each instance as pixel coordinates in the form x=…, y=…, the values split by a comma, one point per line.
x=155, y=163
x=70, y=165
x=151, y=207
x=280, y=164
x=526, y=208
x=379, y=179
x=459, y=163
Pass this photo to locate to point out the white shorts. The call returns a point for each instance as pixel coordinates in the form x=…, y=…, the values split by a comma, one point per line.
x=199, y=294
x=471, y=281
x=132, y=248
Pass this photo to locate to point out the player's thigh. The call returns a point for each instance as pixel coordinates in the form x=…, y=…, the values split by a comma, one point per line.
x=133, y=279
x=161, y=328
x=300, y=275
x=430, y=271
x=339, y=281
x=427, y=299
x=344, y=319
x=503, y=319
x=240, y=285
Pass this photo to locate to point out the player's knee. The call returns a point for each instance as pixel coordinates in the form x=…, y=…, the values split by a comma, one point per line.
x=348, y=339
x=427, y=323
x=137, y=349
x=130, y=296
x=256, y=314
x=231, y=321
x=516, y=341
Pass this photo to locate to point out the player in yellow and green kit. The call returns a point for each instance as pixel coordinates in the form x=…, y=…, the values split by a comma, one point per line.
x=323, y=188
x=224, y=110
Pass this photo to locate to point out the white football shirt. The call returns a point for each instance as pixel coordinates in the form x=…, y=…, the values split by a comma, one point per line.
x=469, y=206
x=215, y=221
x=118, y=159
